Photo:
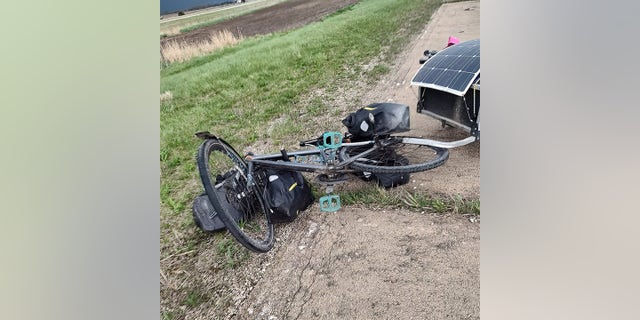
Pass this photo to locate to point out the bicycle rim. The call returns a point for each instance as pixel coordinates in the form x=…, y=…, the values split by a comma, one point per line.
x=395, y=156
x=240, y=206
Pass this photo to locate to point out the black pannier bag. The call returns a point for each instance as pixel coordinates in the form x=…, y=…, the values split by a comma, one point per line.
x=206, y=217
x=286, y=193
x=389, y=118
x=388, y=180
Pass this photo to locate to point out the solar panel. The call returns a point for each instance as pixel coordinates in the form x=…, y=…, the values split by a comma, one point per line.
x=452, y=69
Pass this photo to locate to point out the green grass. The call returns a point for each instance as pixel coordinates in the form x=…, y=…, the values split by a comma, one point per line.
x=238, y=92
x=194, y=298
x=233, y=252
x=419, y=202
x=168, y=315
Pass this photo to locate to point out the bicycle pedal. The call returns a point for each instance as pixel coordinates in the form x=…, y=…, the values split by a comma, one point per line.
x=331, y=140
x=330, y=203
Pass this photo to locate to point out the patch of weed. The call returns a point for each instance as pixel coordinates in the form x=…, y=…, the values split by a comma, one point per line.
x=378, y=71
x=233, y=253
x=194, y=298
x=415, y=201
x=168, y=315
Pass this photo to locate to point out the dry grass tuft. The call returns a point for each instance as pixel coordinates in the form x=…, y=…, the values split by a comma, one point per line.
x=170, y=31
x=166, y=96
x=180, y=52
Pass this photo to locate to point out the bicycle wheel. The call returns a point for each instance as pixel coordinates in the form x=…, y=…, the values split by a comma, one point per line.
x=395, y=156
x=240, y=206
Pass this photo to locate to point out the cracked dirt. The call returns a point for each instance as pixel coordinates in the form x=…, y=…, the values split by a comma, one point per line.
x=372, y=264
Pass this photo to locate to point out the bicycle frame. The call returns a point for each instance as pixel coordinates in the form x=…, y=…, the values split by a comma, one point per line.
x=328, y=166
x=276, y=160
x=325, y=154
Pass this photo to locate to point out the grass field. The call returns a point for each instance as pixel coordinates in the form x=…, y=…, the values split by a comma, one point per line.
x=171, y=27
x=256, y=93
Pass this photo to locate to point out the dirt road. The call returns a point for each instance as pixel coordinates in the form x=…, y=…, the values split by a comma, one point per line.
x=461, y=173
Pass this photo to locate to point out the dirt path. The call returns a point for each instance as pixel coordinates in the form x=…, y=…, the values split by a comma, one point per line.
x=364, y=263
x=372, y=264
x=461, y=173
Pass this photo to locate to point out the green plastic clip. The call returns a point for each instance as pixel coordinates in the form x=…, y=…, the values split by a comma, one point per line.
x=330, y=203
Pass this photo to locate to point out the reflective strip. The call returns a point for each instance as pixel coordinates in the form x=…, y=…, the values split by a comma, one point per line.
x=293, y=186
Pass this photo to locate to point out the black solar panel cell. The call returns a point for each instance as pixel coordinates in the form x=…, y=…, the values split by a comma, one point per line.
x=452, y=69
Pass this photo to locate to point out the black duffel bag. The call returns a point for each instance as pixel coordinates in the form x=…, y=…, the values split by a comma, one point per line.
x=388, y=118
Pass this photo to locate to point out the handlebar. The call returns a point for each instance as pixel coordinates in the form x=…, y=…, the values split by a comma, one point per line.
x=427, y=54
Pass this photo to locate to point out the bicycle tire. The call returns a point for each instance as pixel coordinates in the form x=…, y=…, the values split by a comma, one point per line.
x=224, y=177
x=419, y=157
